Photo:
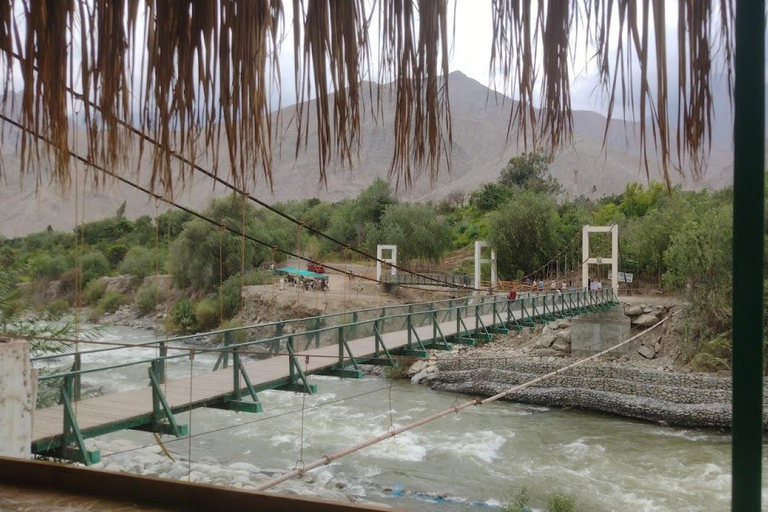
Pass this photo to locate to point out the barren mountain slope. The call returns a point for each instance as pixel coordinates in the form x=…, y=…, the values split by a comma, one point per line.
x=480, y=149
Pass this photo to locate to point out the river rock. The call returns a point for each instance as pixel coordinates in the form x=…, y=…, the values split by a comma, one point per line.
x=634, y=310
x=546, y=340
x=416, y=368
x=646, y=320
x=647, y=309
x=418, y=377
x=564, y=335
x=646, y=352
x=562, y=345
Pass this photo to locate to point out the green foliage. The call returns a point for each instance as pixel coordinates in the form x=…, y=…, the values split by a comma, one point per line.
x=203, y=256
x=521, y=502
x=230, y=295
x=111, y=302
x=47, y=267
x=144, y=232
x=116, y=252
x=57, y=307
x=489, y=197
x=171, y=223
x=524, y=231
x=206, y=315
x=94, y=264
x=182, y=317
x=148, y=297
x=106, y=230
x=94, y=291
x=416, y=230
x=140, y=262
x=707, y=363
x=559, y=502
x=120, y=213
x=529, y=172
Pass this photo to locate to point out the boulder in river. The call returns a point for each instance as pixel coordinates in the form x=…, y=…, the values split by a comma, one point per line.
x=634, y=310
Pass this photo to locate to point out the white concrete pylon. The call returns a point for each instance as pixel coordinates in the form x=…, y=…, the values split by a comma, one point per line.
x=479, y=260
x=588, y=260
x=391, y=259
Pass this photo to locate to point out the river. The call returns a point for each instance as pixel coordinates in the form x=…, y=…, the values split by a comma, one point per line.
x=475, y=460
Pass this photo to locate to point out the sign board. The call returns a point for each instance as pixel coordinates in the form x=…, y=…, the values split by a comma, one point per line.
x=624, y=277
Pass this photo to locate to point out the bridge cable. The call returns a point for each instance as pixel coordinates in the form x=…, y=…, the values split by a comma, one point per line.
x=189, y=420
x=327, y=459
x=251, y=422
x=198, y=215
x=225, y=183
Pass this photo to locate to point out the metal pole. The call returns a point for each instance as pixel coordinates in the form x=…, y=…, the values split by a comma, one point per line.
x=748, y=239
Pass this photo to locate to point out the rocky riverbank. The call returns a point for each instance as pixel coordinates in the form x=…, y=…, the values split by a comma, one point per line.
x=642, y=383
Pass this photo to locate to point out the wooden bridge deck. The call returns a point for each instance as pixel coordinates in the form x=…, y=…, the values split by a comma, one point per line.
x=120, y=408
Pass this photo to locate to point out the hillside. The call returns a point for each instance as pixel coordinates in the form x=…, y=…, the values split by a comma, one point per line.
x=480, y=150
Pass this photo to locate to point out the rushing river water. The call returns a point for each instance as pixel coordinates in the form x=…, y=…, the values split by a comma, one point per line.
x=475, y=460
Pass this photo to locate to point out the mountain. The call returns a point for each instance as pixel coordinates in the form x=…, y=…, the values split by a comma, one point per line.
x=480, y=149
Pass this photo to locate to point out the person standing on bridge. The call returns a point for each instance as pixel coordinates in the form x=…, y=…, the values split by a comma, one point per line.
x=512, y=295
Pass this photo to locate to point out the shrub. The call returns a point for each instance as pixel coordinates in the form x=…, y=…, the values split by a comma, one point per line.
x=559, y=502
x=139, y=262
x=182, y=317
x=48, y=268
x=206, y=315
x=148, y=297
x=110, y=302
x=238, y=337
x=57, y=307
x=230, y=293
x=116, y=253
x=94, y=264
x=520, y=503
x=707, y=363
x=94, y=291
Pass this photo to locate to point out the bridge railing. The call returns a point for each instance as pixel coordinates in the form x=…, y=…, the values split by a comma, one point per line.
x=173, y=357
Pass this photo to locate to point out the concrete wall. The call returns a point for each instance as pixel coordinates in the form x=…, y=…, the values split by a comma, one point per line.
x=599, y=331
x=17, y=399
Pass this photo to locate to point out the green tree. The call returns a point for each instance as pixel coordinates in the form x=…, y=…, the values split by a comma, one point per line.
x=489, y=197
x=205, y=255
x=416, y=229
x=524, y=233
x=529, y=171
x=141, y=262
x=120, y=213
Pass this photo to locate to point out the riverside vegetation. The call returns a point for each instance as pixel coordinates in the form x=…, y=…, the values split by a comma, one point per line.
x=679, y=240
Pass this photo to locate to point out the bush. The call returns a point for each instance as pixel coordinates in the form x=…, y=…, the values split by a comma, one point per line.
x=57, y=307
x=182, y=317
x=148, y=297
x=230, y=293
x=94, y=264
x=206, y=315
x=559, y=502
x=110, y=302
x=116, y=253
x=94, y=291
x=48, y=268
x=238, y=337
x=707, y=363
x=520, y=503
x=139, y=262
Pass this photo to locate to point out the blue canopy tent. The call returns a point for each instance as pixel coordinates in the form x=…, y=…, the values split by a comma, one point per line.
x=306, y=274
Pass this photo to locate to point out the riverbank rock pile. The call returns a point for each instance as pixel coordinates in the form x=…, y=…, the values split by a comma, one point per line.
x=680, y=399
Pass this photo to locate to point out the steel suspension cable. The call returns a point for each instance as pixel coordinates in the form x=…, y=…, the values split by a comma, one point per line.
x=200, y=216
x=327, y=459
x=230, y=186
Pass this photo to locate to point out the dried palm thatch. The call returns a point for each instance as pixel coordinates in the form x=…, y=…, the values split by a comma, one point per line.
x=190, y=72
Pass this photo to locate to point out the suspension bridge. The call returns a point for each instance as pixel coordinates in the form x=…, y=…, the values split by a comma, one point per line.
x=277, y=355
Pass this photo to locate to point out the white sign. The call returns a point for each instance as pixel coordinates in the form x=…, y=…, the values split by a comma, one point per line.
x=624, y=277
